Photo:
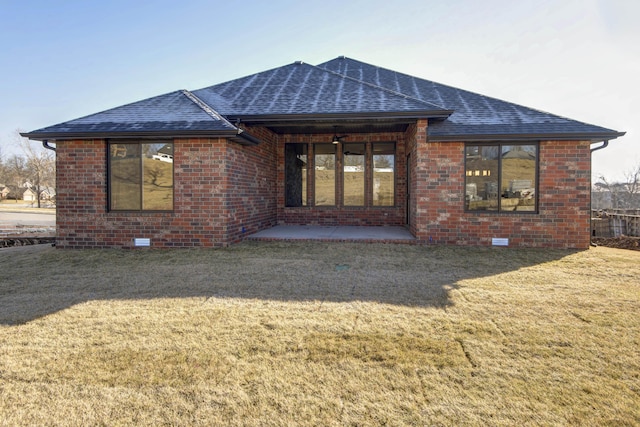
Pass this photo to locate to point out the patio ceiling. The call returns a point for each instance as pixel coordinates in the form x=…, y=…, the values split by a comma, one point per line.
x=334, y=126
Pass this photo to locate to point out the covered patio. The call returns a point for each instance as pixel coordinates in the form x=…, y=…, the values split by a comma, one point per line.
x=385, y=234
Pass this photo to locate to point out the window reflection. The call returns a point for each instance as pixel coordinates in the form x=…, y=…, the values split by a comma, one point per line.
x=501, y=177
x=325, y=174
x=141, y=176
x=353, y=174
x=383, y=174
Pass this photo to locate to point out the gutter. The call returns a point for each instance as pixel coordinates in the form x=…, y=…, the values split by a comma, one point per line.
x=236, y=135
x=593, y=137
x=243, y=138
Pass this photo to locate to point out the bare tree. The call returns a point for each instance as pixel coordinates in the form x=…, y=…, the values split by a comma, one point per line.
x=2, y=171
x=39, y=167
x=625, y=194
x=383, y=161
x=14, y=175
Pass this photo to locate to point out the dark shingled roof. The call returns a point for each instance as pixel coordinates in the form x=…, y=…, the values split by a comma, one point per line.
x=303, y=89
x=342, y=88
x=474, y=116
x=179, y=112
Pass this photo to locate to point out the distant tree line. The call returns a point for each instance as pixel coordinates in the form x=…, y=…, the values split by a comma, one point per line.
x=607, y=194
x=34, y=168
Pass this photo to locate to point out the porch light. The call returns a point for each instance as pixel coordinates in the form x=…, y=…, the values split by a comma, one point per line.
x=336, y=138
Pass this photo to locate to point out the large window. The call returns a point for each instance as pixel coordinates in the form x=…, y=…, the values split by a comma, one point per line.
x=353, y=174
x=501, y=177
x=325, y=174
x=295, y=174
x=141, y=176
x=384, y=174
x=362, y=173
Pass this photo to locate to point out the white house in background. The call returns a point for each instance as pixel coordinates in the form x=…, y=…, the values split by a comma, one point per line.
x=4, y=192
x=29, y=195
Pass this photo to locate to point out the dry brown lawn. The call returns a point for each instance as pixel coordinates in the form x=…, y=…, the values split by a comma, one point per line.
x=274, y=334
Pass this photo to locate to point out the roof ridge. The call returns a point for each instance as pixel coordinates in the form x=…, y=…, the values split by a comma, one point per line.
x=403, y=95
x=249, y=139
x=205, y=107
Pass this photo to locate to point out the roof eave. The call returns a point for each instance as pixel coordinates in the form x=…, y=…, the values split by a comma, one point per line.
x=587, y=136
x=267, y=118
x=240, y=137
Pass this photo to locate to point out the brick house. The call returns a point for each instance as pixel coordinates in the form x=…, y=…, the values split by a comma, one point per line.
x=341, y=143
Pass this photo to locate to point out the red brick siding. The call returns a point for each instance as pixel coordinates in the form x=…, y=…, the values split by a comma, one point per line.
x=206, y=212
x=412, y=157
x=564, y=200
x=251, y=180
x=81, y=189
x=224, y=191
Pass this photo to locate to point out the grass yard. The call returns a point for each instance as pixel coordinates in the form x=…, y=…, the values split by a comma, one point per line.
x=273, y=334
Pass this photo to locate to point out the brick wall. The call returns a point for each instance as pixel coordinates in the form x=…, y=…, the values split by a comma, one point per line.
x=414, y=215
x=81, y=192
x=224, y=191
x=563, y=219
x=206, y=212
x=251, y=180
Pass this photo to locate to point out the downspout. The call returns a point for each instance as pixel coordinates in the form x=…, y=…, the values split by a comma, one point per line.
x=605, y=143
x=46, y=145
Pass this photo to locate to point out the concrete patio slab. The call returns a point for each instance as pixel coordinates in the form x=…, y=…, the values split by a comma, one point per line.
x=336, y=234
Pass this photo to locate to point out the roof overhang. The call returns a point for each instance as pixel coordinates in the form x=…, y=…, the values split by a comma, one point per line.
x=390, y=115
x=344, y=122
x=239, y=136
x=591, y=137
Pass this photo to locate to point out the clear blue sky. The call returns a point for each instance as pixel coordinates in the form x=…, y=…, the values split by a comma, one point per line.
x=60, y=60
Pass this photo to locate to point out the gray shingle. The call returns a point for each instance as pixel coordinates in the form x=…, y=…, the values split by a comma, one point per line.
x=474, y=114
x=301, y=88
x=174, y=111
